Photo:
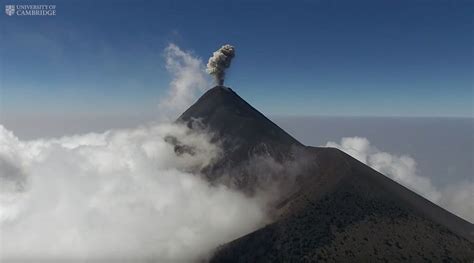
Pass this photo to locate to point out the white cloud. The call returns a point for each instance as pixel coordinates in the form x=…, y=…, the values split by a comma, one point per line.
x=189, y=78
x=119, y=194
x=122, y=194
x=458, y=198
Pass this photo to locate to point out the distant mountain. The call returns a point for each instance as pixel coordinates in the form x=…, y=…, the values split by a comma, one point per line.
x=338, y=210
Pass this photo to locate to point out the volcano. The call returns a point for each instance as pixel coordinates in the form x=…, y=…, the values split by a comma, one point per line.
x=339, y=209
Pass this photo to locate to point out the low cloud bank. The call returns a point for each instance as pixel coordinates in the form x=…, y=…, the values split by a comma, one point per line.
x=457, y=198
x=121, y=194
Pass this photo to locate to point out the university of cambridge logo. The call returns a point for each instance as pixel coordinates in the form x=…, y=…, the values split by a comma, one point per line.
x=30, y=10
x=9, y=10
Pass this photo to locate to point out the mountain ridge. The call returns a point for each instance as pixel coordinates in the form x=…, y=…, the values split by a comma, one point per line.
x=331, y=205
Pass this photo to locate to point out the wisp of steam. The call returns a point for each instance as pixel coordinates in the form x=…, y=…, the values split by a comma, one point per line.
x=219, y=62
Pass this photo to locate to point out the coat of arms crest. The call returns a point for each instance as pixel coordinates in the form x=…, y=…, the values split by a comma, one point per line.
x=9, y=10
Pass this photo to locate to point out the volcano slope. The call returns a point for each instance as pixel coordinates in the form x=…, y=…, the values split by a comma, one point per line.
x=337, y=209
x=243, y=133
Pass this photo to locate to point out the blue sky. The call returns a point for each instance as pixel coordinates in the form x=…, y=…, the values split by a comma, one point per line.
x=370, y=58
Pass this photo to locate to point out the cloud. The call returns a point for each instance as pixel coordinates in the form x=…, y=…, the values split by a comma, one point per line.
x=123, y=193
x=456, y=198
x=126, y=194
x=189, y=78
x=459, y=198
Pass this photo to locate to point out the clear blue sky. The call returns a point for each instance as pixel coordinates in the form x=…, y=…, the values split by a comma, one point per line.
x=383, y=58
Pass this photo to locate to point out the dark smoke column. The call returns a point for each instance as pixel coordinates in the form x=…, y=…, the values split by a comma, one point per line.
x=219, y=62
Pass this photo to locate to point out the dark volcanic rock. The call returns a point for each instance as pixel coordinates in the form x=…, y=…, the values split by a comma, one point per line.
x=242, y=131
x=351, y=213
x=338, y=209
x=230, y=116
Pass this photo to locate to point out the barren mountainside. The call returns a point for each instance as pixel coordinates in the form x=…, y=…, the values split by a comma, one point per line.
x=338, y=210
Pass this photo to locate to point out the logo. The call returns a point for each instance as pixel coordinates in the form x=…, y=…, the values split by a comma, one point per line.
x=30, y=10
x=9, y=10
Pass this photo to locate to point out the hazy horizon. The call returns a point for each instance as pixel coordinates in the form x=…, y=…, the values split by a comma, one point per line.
x=442, y=146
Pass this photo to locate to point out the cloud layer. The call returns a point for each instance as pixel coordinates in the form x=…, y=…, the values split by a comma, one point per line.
x=121, y=194
x=458, y=198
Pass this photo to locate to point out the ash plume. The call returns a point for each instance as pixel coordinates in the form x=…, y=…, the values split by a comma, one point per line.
x=219, y=62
